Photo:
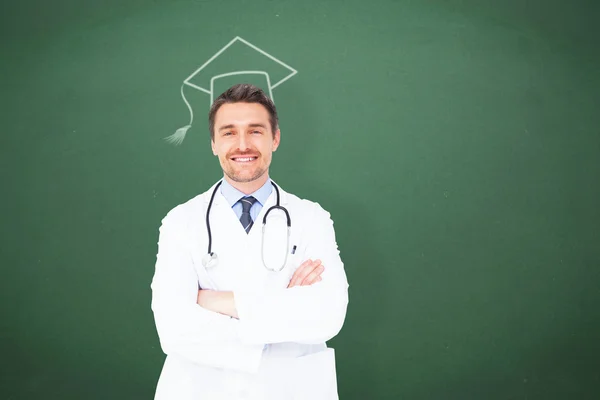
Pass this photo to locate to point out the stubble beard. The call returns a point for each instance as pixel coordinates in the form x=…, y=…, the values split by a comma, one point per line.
x=236, y=177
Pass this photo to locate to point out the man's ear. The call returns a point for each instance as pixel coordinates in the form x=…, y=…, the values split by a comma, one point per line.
x=276, y=139
x=212, y=146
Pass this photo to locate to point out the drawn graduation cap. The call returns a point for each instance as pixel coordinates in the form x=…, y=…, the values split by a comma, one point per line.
x=241, y=60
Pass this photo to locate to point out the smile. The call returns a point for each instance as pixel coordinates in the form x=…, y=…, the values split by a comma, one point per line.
x=244, y=159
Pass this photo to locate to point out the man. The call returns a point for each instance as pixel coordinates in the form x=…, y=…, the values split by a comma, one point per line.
x=240, y=329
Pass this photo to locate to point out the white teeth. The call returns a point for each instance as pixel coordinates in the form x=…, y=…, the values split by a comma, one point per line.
x=245, y=159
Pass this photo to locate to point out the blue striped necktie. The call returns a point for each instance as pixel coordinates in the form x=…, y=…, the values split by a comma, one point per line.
x=245, y=218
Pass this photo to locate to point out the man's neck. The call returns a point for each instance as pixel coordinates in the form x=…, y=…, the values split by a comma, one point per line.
x=248, y=187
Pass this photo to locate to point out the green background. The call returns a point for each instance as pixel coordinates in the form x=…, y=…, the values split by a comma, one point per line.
x=455, y=143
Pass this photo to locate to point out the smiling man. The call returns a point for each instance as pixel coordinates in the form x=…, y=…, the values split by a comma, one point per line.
x=241, y=314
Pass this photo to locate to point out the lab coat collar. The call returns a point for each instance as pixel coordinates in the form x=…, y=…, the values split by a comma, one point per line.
x=220, y=199
x=233, y=195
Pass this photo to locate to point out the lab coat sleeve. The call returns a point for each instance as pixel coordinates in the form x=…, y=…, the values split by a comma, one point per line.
x=302, y=314
x=184, y=328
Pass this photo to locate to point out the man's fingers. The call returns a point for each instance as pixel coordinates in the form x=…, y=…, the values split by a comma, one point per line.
x=303, y=271
x=297, y=273
x=313, y=276
x=308, y=271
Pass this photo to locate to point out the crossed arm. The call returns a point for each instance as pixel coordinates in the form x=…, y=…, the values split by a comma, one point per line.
x=197, y=325
x=223, y=302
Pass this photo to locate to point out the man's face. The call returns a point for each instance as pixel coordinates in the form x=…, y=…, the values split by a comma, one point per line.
x=244, y=141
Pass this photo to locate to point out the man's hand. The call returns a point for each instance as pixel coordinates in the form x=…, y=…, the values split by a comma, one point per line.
x=308, y=273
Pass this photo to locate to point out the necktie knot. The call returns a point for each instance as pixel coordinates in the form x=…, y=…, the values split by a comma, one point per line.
x=247, y=203
x=245, y=218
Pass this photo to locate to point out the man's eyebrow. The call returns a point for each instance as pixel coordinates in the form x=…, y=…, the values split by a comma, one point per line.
x=253, y=125
x=230, y=126
x=257, y=125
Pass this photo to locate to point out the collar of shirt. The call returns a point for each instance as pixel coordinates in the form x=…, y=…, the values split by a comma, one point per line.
x=232, y=195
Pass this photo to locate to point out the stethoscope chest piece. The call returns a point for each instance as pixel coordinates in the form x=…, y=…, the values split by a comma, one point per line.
x=210, y=260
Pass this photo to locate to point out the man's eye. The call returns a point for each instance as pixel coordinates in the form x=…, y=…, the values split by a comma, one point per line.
x=256, y=132
x=227, y=133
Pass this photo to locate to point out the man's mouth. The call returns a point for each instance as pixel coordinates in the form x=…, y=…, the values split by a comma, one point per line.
x=243, y=159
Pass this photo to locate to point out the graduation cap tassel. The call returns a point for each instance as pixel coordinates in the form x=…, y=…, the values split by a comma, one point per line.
x=179, y=135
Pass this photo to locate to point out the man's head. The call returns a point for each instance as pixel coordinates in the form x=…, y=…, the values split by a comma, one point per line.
x=244, y=132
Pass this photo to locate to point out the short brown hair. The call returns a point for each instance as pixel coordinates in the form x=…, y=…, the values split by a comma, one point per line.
x=243, y=93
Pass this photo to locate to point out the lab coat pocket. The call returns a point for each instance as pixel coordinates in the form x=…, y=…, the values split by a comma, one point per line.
x=316, y=375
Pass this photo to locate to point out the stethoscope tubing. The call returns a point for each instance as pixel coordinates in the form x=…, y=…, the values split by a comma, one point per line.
x=277, y=206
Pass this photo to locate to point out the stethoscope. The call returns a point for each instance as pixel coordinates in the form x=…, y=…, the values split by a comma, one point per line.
x=210, y=260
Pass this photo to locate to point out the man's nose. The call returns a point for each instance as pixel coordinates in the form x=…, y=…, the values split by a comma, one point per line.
x=242, y=142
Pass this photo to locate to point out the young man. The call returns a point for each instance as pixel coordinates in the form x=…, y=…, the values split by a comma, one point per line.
x=252, y=320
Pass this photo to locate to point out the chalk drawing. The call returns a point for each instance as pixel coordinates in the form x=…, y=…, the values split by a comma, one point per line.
x=179, y=135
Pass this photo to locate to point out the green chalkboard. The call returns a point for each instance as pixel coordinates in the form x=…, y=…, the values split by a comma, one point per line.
x=456, y=144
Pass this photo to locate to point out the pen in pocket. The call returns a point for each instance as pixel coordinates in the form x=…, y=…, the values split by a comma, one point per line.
x=294, y=249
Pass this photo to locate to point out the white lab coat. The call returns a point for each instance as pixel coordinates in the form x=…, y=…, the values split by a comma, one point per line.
x=277, y=349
